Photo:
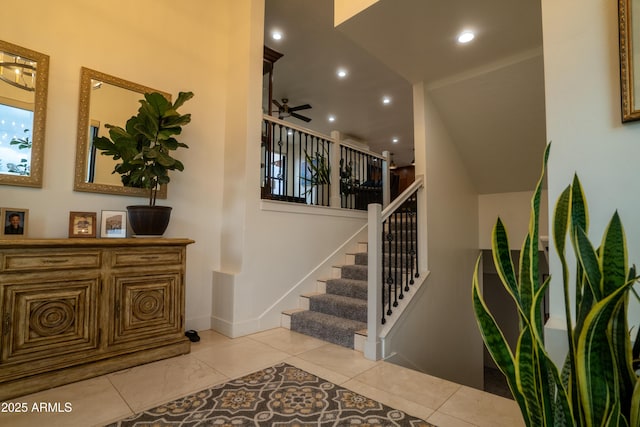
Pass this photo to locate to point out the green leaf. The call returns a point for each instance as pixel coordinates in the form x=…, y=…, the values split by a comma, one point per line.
x=614, y=256
x=182, y=98
x=527, y=376
x=527, y=288
x=579, y=212
x=502, y=259
x=496, y=343
x=561, y=225
x=589, y=262
x=595, y=364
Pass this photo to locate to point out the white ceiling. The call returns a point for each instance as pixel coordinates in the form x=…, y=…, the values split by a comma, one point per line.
x=490, y=93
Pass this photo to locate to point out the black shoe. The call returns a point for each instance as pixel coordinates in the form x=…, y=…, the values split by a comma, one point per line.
x=192, y=335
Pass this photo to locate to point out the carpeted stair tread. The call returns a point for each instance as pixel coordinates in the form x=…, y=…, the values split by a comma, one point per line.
x=340, y=306
x=357, y=272
x=361, y=258
x=326, y=327
x=347, y=287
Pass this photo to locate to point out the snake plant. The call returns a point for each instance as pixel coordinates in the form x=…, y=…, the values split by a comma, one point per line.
x=598, y=385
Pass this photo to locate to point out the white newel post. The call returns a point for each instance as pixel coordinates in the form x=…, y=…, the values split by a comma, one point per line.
x=373, y=347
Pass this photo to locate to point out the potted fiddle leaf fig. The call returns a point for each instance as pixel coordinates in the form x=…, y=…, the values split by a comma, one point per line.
x=599, y=384
x=143, y=150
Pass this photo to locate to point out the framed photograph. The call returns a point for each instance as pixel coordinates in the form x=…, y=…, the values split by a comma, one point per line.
x=82, y=224
x=113, y=224
x=14, y=223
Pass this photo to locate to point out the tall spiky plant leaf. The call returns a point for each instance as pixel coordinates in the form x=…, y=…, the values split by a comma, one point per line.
x=561, y=222
x=561, y=225
x=614, y=256
x=527, y=287
x=496, y=343
x=590, y=263
x=557, y=402
x=502, y=259
x=579, y=218
x=527, y=375
x=597, y=374
x=534, y=226
x=579, y=210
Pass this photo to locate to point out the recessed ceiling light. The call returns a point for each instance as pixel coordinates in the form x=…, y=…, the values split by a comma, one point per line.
x=276, y=35
x=395, y=140
x=386, y=100
x=331, y=118
x=342, y=73
x=466, y=36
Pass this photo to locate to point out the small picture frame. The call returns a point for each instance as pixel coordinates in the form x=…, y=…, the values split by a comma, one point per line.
x=14, y=223
x=82, y=224
x=113, y=224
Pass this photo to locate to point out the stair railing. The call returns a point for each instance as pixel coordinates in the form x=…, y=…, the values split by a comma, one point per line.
x=393, y=260
x=299, y=165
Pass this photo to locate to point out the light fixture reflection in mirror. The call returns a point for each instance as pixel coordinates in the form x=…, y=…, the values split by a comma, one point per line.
x=24, y=75
x=105, y=99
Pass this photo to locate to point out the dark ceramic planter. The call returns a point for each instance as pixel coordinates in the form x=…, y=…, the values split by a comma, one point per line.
x=148, y=220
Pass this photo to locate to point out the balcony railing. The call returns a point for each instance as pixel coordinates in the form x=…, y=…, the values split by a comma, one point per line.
x=302, y=166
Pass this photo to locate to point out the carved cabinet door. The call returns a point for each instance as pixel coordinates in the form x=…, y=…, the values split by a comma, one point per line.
x=48, y=322
x=146, y=307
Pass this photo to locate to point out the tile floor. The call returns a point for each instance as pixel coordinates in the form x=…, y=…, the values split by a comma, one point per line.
x=216, y=359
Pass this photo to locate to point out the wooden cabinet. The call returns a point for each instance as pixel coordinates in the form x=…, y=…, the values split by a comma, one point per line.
x=72, y=309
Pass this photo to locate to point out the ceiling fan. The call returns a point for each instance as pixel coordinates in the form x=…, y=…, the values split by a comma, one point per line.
x=285, y=111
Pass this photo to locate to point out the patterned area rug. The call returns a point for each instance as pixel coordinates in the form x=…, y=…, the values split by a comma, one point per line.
x=282, y=395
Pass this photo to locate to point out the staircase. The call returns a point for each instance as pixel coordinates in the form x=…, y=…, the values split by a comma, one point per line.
x=337, y=311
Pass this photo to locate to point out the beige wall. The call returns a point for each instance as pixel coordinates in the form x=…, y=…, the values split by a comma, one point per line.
x=345, y=9
x=163, y=44
x=514, y=209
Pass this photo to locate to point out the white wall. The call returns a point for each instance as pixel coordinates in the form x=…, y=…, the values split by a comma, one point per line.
x=514, y=209
x=583, y=122
x=442, y=336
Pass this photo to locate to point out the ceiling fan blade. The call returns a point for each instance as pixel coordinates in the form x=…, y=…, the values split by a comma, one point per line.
x=300, y=107
x=277, y=104
x=301, y=117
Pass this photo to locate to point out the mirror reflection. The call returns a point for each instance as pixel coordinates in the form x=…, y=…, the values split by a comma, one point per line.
x=23, y=93
x=104, y=99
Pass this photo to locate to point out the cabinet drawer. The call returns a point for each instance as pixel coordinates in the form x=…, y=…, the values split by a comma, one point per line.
x=49, y=260
x=149, y=256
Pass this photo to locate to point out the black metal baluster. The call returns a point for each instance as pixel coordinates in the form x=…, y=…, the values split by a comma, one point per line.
x=396, y=238
x=414, y=205
x=389, y=267
x=407, y=255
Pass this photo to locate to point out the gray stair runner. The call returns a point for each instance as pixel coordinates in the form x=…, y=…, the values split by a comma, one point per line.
x=336, y=315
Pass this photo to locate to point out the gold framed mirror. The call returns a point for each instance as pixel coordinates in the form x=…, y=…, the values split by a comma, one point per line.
x=105, y=99
x=24, y=75
x=629, y=36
